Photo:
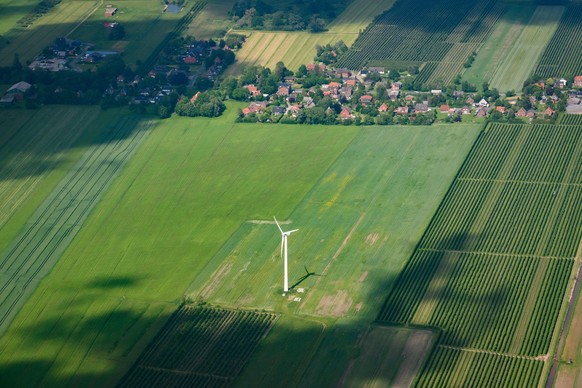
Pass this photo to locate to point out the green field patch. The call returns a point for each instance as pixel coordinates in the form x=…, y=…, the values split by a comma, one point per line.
x=497, y=46
x=365, y=205
x=527, y=49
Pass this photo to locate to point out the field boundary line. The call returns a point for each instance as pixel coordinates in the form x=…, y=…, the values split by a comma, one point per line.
x=494, y=353
x=85, y=18
x=498, y=254
x=567, y=184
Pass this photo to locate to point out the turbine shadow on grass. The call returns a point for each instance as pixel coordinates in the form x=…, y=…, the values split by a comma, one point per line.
x=303, y=278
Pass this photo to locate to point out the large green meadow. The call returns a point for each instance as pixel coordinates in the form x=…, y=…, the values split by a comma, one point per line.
x=361, y=197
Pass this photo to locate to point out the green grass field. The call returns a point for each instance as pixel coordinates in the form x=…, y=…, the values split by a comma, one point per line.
x=297, y=48
x=527, y=49
x=496, y=48
x=213, y=21
x=145, y=242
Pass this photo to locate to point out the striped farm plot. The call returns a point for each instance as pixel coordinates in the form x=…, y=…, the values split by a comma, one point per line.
x=36, y=249
x=562, y=57
x=493, y=267
x=424, y=34
x=200, y=346
x=32, y=146
x=527, y=48
x=61, y=20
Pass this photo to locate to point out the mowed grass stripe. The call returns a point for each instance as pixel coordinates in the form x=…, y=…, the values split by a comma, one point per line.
x=59, y=218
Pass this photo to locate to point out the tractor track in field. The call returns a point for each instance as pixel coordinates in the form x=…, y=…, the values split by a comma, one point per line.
x=58, y=219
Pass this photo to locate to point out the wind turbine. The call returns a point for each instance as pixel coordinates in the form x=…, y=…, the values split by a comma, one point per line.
x=284, y=236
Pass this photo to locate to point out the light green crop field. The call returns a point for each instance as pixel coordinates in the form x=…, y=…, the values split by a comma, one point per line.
x=496, y=48
x=189, y=192
x=527, y=49
x=266, y=48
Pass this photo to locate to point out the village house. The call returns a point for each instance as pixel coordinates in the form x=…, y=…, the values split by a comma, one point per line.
x=256, y=107
x=401, y=110
x=521, y=113
x=379, y=70
x=383, y=108
x=110, y=10
x=293, y=110
x=283, y=90
x=445, y=108
x=549, y=112
x=483, y=103
x=470, y=101
x=279, y=110
x=500, y=109
x=393, y=94
x=578, y=81
x=531, y=113
x=18, y=90
x=366, y=99
x=346, y=113
x=194, y=97
x=346, y=92
x=253, y=90
x=421, y=108
x=409, y=98
x=466, y=110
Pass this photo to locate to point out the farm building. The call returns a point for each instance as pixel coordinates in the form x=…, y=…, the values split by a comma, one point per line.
x=110, y=10
x=18, y=89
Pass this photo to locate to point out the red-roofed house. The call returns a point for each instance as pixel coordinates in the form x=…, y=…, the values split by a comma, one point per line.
x=578, y=81
x=253, y=90
x=500, y=109
x=549, y=111
x=383, y=108
x=310, y=66
x=346, y=113
x=445, y=108
x=366, y=99
x=521, y=113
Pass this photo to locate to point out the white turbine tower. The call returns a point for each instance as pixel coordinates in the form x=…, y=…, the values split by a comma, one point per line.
x=284, y=236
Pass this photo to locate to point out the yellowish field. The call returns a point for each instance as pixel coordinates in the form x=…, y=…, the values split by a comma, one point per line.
x=527, y=49
x=297, y=48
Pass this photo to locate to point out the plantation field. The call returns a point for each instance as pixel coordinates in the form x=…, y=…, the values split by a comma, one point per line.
x=493, y=266
x=527, y=48
x=497, y=46
x=436, y=36
x=266, y=48
x=562, y=56
x=62, y=20
x=200, y=346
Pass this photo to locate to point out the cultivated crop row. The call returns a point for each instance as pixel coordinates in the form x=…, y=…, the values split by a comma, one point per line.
x=454, y=368
x=492, y=268
x=566, y=119
x=538, y=153
x=423, y=32
x=562, y=56
x=203, y=341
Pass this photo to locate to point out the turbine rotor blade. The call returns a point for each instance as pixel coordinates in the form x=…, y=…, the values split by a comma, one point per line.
x=278, y=226
x=291, y=231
